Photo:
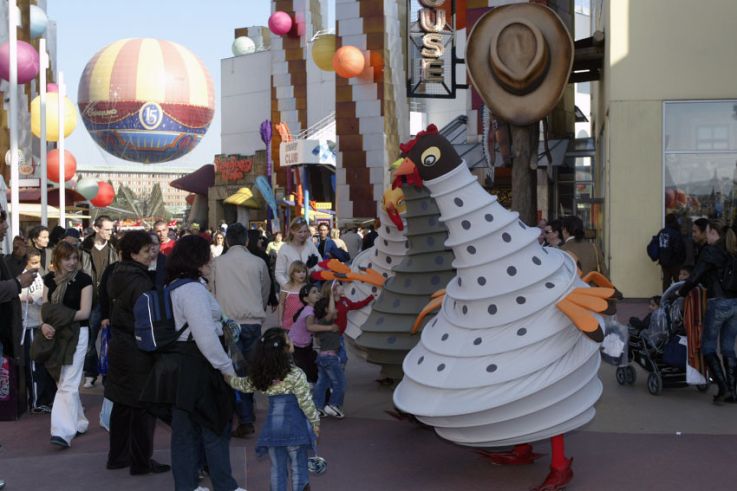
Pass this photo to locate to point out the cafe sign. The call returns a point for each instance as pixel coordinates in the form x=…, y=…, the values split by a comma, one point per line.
x=234, y=167
x=431, y=57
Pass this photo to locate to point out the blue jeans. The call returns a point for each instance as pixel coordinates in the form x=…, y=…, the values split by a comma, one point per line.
x=329, y=376
x=720, y=324
x=187, y=437
x=342, y=353
x=91, y=368
x=250, y=333
x=281, y=458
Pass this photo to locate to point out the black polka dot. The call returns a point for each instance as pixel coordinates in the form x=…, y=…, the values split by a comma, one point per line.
x=387, y=229
x=396, y=303
x=545, y=250
x=465, y=310
x=380, y=321
x=388, y=260
x=481, y=280
x=465, y=224
x=353, y=291
x=435, y=280
x=407, y=282
x=477, y=341
x=506, y=237
x=376, y=252
x=391, y=339
x=471, y=249
x=444, y=337
x=549, y=285
x=430, y=241
x=385, y=275
x=420, y=360
x=432, y=221
x=369, y=265
x=441, y=367
x=458, y=202
x=491, y=368
x=374, y=290
x=521, y=331
x=386, y=242
x=459, y=281
x=536, y=260
x=434, y=322
x=439, y=260
x=520, y=300
x=492, y=309
x=522, y=225
x=511, y=271
x=455, y=303
x=406, y=243
x=424, y=205
x=489, y=217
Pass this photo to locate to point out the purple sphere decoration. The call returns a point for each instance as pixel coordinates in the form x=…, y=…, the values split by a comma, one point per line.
x=280, y=23
x=28, y=62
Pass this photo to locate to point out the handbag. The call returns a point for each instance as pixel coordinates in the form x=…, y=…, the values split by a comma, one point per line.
x=102, y=362
x=42, y=348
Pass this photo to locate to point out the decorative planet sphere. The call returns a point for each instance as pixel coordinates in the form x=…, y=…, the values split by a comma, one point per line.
x=323, y=50
x=39, y=21
x=28, y=62
x=52, y=117
x=280, y=23
x=105, y=195
x=53, y=167
x=349, y=61
x=52, y=87
x=243, y=45
x=88, y=187
x=146, y=100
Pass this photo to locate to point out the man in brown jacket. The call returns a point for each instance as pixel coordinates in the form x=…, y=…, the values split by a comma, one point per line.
x=587, y=254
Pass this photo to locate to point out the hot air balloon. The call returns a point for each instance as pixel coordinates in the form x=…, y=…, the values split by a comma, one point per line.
x=146, y=100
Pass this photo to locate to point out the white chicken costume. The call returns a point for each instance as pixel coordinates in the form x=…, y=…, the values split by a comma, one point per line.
x=500, y=364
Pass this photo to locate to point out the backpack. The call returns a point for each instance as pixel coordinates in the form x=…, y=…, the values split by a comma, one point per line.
x=653, y=249
x=728, y=275
x=671, y=250
x=153, y=318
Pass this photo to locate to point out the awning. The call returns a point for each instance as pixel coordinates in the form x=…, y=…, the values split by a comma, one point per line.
x=34, y=210
x=243, y=197
x=198, y=181
x=33, y=195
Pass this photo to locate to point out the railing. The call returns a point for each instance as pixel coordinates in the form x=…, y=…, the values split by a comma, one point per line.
x=323, y=128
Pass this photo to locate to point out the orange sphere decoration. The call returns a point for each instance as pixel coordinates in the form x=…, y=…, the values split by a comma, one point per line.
x=52, y=165
x=105, y=195
x=349, y=61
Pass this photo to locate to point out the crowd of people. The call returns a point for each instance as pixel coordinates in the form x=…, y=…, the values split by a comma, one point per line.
x=67, y=292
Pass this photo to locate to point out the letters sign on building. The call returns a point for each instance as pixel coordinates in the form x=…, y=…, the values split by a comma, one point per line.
x=298, y=152
x=432, y=60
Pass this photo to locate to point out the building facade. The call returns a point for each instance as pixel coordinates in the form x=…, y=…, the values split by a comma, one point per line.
x=665, y=122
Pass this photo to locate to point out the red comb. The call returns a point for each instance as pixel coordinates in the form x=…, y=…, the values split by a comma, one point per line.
x=407, y=147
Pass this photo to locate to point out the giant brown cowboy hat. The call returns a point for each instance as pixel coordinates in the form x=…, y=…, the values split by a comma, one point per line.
x=519, y=59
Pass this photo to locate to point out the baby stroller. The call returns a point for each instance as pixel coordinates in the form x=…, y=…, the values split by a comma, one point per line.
x=649, y=347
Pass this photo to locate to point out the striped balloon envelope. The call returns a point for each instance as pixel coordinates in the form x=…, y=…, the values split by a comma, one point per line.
x=146, y=100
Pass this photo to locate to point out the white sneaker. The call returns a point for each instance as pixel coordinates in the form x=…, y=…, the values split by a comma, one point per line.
x=89, y=382
x=334, y=411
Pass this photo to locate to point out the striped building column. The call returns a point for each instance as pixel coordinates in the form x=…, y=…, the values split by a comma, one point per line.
x=289, y=70
x=372, y=115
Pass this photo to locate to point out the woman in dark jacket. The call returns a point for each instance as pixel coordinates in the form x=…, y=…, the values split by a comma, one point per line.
x=721, y=311
x=257, y=248
x=131, y=425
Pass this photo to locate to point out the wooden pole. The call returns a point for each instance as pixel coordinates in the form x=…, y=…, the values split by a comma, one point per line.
x=524, y=176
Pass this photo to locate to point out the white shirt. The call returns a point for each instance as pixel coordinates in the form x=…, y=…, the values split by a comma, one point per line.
x=32, y=310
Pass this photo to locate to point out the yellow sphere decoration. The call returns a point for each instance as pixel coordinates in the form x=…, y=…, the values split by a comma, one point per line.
x=52, y=117
x=323, y=50
x=349, y=61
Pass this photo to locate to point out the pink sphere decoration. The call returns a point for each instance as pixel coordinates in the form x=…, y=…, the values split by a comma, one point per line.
x=280, y=23
x=52, y=87
x=28, y=62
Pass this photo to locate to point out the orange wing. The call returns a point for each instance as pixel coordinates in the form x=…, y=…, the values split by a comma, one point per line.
x=581, y=305
x=432, y=305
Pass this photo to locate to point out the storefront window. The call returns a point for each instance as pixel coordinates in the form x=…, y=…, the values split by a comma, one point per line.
x=700, y=159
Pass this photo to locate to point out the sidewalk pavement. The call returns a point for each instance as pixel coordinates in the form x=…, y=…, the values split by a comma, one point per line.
x=675, y=441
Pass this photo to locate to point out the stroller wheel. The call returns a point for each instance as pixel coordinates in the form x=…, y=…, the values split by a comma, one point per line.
x=630, y=375
x=621, y=375
x=654, y=384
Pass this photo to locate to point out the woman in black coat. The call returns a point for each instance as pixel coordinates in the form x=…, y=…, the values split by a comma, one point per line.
x=131, y=425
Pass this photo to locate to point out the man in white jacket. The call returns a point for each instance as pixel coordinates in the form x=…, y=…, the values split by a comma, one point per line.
x=240, y=283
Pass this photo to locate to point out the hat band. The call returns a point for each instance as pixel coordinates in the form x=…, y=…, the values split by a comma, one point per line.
x=519, y=80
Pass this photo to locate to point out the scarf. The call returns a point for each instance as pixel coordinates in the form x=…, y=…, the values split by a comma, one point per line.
x=62, y=280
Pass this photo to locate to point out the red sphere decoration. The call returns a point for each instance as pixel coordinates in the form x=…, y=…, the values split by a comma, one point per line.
x=105, y=195
x=52, y=165
x=280, y=23
x=349, y=61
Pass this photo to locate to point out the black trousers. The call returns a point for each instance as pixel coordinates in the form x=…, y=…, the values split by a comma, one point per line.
x=305, y=358
x=40, y=386
x=131, y=437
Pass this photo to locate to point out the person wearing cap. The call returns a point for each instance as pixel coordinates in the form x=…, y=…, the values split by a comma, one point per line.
x=72, y=236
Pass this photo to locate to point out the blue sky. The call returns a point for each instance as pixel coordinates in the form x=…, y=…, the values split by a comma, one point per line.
x=205, y=27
